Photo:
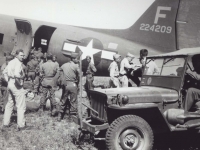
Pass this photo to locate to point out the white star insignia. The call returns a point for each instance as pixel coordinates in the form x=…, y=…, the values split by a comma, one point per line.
x=88, y=51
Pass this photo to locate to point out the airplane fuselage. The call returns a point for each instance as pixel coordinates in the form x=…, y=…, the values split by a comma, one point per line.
x=167, y=25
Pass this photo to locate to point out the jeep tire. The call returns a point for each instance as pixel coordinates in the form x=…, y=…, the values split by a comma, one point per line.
x=129, y=132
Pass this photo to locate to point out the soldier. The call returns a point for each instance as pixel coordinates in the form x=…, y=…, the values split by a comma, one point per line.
x=125, y=68
x=38, y=75
x=136, y=74
x=48, y=71
x=91, y=69
x=37, y=53
x=55, y=60
x=70, y=79
x=57, y=75
x=114, y=72
x=31, y=67
x=14, y=75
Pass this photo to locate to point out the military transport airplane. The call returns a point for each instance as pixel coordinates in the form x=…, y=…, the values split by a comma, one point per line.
x=167, y=25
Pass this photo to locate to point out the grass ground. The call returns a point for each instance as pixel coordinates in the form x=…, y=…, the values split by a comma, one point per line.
x=46, y=133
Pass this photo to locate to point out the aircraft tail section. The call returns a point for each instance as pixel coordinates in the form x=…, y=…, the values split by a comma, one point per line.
x=156, y=26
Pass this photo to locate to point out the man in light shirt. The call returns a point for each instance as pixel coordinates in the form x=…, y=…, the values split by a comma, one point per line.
x=151, y=68
x=114, y=72
x=125, y=68
x=14, y=75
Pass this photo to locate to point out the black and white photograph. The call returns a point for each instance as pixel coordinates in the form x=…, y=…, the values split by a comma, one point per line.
x=99, y=74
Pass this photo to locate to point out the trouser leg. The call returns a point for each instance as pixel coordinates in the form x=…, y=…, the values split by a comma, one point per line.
x=36, y=84
x=63, y=101
x=69, y=90
x=89, y=84
x=8, y=110
x=21, y=108
x=52, y=97
x=90, y=80
x=63, y=104
x=73, y=97
x=19, y=96
x=43, y=96
x=135, y=77
x=114, y=82
x=192, y=96
x=124, y=81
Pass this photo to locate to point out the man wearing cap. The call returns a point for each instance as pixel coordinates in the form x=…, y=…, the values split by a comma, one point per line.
x=114, y=72
x=136, y=74
x=91, y=69
x=48, y=71
x=38, y=75
x=14, y=75
x=70, y=78
x=125, y=66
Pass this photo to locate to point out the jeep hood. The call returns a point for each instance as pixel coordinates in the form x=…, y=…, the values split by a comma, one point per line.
x=144, y=94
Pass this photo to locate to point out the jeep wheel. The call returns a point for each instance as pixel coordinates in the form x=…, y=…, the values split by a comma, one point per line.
x=129, y=133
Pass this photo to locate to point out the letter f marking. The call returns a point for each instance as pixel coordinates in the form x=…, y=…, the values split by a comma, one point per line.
x=159, y=15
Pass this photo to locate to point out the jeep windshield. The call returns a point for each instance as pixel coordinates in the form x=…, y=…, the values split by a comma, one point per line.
x=170, y=66
x=166, y=72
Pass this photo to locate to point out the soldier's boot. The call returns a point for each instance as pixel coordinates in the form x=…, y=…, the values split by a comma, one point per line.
x=59, y=117
x=54, y=111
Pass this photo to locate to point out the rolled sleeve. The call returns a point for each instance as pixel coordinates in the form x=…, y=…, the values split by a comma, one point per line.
x=128, y=65
x=194, y=74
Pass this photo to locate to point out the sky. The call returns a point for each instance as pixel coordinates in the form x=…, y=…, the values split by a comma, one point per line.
x=115, y=14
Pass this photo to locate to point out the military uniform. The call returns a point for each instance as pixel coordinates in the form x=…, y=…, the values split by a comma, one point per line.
x=31, y=68
x=91, y=69
x=37, y=77
x=37, y=53
x=70, y=78
x=49, y=71
x=57, y=76
x=114, y=75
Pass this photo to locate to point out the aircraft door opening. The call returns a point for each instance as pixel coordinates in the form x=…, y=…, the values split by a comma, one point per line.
x=24, y=36
x=42, y=37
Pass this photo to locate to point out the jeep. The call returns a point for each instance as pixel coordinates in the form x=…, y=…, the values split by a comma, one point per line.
x=132, y=116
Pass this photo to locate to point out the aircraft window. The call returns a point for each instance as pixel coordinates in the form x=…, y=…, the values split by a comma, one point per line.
x=1, y=38
x=43, y=42
x=173, y=67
